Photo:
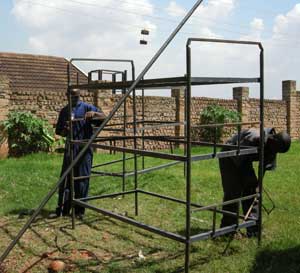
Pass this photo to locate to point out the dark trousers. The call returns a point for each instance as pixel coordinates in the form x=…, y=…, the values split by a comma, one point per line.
x=238, y=180
x=81, y=187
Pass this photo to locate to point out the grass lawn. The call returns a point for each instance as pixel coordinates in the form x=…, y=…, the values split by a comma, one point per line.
x=101, y=244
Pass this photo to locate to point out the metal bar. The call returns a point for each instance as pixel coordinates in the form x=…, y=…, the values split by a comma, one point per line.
x=165, y=123
x=70, y=147
x=164, y=83
x=224, y=154
x=143, y=124
x=221, y=231
x=97, y=175
x=227, y=202
x=238, y=213
x=163, y=166
x=135, y=155
x=261, y=144
x=107, y=173
x=124, y=75
x=223, y=41
x=140, y=152
x=97, y=197
x=156, y=126
x=214, y=221
x=239, y=140
x=231, y=124
x=111, y=162
x=188, y=161
x=130, y=221
x=169, y=198
x=215, y=142
x=106, y=71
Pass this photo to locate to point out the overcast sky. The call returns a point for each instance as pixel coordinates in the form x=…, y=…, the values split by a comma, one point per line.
x=111, y=29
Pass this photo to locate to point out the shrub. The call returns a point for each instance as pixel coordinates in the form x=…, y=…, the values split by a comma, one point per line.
x=213, y=114
x=27, y=133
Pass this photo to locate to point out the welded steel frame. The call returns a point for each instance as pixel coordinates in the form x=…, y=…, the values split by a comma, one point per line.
x=187, y=159
x=187, y=239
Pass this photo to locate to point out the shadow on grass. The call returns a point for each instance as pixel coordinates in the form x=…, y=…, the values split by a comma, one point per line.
x=277, y=261
x=22, y=213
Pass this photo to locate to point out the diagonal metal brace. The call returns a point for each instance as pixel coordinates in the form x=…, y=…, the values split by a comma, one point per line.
x=114, y=110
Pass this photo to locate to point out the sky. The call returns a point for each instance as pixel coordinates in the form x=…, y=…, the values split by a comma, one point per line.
x=111, y=29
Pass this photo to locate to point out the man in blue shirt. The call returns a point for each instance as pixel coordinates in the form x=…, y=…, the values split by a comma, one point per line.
x=84, y=115
x=238, y=175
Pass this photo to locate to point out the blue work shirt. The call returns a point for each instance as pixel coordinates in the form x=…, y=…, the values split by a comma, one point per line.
x=82, y=130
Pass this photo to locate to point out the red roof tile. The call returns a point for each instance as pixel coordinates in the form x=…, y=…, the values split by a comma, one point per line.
x=27, y=71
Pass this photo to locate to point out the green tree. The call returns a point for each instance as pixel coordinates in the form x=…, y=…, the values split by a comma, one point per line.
x=216, y=114
x=27, y=133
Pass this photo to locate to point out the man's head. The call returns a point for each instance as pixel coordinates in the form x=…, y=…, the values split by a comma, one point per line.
x=280, y=142
x=75, y=96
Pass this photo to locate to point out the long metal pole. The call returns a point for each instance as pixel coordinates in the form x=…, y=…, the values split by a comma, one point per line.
x=188, y=159
x=124, y=134
x=70, y=147
x=136, y=197
x=114, y=110
x=262, y=144
x=143, y=124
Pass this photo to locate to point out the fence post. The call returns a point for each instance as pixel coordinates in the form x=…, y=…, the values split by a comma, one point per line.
x=178, y=94
x=291, y=97
x=241, y=95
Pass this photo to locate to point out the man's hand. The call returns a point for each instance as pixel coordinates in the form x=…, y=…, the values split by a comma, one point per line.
x=90, y=115
x=93, y=114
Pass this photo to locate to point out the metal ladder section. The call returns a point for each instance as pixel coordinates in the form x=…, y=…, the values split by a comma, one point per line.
x=128, y=88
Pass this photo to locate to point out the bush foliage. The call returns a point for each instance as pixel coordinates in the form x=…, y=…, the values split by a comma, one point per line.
x=27, y=133
x=216, y=114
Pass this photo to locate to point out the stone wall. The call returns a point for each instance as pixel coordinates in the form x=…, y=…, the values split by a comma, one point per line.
x=4, y=110
x=45, y=105
x=282, y=114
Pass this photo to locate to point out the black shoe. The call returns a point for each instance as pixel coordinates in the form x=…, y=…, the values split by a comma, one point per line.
x=252, y=232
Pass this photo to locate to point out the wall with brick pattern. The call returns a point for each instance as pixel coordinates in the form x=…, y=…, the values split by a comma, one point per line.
x=282, y=114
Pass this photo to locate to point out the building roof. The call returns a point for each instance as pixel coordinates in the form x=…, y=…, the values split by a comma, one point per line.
x=26, y=71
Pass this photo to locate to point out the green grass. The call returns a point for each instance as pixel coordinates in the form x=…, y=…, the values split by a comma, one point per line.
x=113, y=246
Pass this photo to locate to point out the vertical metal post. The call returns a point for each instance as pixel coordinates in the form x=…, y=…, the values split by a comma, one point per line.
x=239, y=140
x=70, y=145
x=215, y=141
x=262, y=144
x=143, y=124
x=135, y=147
x=124, y=75
x=114, y=78
x=184, y=129
x=214, y=221
x=188, y=160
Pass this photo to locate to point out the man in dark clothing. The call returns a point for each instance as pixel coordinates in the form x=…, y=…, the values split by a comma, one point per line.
x=238, y=175
x=84, y=116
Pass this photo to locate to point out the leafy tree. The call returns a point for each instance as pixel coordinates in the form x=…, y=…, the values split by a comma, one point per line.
x=216, y=114
x=27, y=133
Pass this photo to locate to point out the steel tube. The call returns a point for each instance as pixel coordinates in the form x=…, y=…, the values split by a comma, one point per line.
x=127, y=220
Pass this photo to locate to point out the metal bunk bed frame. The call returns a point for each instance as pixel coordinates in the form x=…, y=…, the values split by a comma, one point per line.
x=187, y=158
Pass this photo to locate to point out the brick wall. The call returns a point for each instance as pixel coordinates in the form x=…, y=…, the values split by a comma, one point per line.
x=45, y=105
x=4, y=109
x=282, y=114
